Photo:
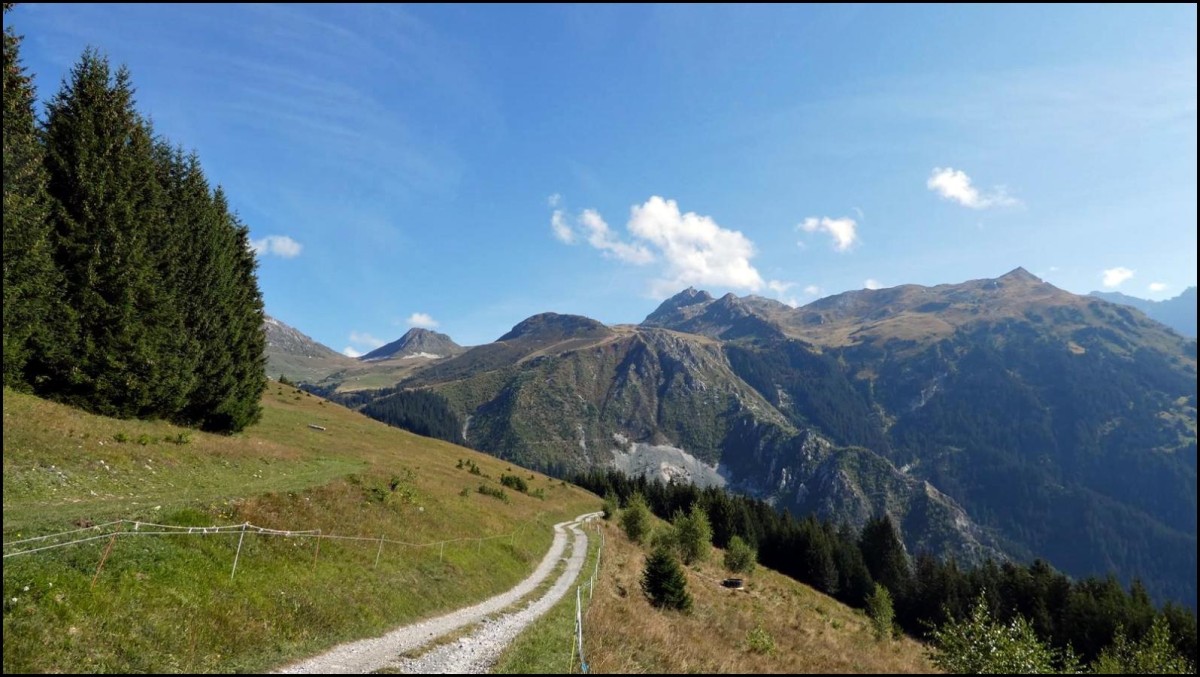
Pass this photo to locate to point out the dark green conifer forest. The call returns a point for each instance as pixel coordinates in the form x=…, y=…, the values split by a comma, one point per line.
x=129, y=284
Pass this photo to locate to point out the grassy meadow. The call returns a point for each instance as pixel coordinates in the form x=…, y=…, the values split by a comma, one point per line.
x=170, y=604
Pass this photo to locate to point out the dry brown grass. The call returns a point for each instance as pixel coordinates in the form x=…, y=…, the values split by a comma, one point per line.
x=811, y=632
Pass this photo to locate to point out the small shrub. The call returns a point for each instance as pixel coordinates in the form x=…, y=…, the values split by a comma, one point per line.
x=494, y=492
x=539, y=493
x=610, y=505
x=121, y=437
x=760, y=641
x=881, y=612
x=465, y=492
x=144, y=439
x=635, y=519
x=514, y=482
x=740, y=557
x=181, y=438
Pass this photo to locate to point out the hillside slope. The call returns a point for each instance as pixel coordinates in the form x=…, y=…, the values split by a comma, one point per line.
x=170, y=603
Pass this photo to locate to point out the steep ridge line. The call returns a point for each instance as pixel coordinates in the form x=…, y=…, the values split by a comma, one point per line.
x=368, y=655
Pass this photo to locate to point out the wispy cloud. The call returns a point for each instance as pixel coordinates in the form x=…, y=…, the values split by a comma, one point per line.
x=423, y=320
x=351, y=352
x=554, y=200
x=813, y=290
x=1158, y=286
x=562, y=231
x=276, y=245
x=872, y=283
x=844, y=231
x=1113, y=277
x=954, y=185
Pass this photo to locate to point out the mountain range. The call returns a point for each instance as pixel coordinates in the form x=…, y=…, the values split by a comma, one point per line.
x=1001, y=418
x=1178, y=313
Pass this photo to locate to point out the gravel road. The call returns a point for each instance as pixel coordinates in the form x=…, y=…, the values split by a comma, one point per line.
x=475, y=653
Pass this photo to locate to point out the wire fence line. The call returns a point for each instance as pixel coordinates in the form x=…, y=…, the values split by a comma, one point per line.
x=580, y=614
x=125, y=528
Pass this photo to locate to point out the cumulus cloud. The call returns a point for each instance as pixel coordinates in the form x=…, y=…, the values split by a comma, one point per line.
x=843, y=230
x=1158, y=286
x=1113, y=277
x=872, y=283
x=693, y=250
x=423, y=320
x=350, y=352
x=953, y=184
x=279, y=245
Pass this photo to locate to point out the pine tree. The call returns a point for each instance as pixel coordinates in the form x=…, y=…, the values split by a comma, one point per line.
x=36, y=322
x=884, y=555
x=663, y=581
x=105, y=209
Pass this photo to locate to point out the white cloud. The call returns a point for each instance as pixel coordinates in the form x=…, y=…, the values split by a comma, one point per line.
x=350, y=352
x=562, y=231
x=843, y=230
x=1113, y=277
x=693, y=250
x=554, y=200
x=279, y=245
x=422, y=320
x=955, y=185
x=812, y=290
x=872, y=283
x=602, y=238
x=1158, y=286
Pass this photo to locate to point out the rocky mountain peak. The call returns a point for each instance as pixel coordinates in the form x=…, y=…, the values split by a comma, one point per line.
x=416, y=342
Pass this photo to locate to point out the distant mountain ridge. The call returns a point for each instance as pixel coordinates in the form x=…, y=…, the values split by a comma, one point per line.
x=297, y=356
x=1178, y=313
x=993, y=417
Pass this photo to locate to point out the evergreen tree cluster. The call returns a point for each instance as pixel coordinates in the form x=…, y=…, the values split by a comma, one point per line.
x=1086, y=615
x=129, y=284
x=418, y=411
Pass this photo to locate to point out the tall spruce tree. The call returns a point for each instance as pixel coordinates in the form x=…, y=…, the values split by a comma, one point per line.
x=36, y=322
x=106, y=206
x=228, y=317
x=884, y=555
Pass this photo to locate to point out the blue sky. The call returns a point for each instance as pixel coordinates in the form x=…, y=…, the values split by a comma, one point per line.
x=463, y=168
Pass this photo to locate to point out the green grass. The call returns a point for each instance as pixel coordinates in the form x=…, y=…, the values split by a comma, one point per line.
x=167, y=603
x=545, y=646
